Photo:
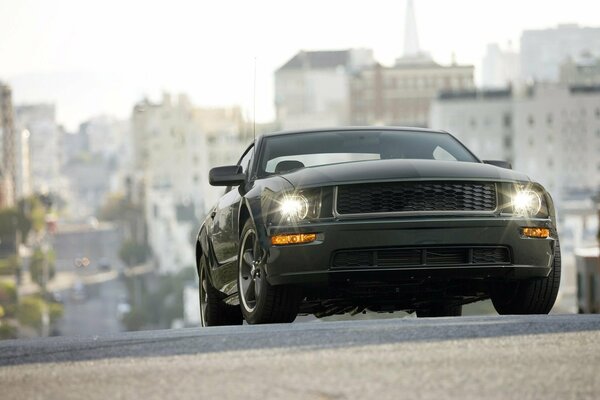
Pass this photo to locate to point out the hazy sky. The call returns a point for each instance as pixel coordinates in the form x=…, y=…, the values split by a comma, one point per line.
x=101, y=57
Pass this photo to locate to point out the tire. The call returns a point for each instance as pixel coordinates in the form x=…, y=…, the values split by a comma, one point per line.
x=213, y=310
x=529, y=297
x=440, y=310
x=260, y=302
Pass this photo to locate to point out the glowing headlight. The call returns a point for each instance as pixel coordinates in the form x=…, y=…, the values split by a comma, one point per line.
x=294, y=207
x=526, y=203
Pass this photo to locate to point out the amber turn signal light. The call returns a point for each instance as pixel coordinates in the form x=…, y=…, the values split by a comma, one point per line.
x=540, y=233
x=293, y=238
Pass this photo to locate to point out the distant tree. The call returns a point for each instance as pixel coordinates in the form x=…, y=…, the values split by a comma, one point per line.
x=29, y=312
x=10, y=265
x=31, y=309
x=8, y=293
x=132, y=253
x=36, y=266
x=134, y=320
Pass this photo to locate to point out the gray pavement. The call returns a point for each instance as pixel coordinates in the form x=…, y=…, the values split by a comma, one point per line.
x=549, y=357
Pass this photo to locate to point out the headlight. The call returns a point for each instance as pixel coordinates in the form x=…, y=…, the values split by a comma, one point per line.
x=526, y=203
x=294, y=207
x=297, y=206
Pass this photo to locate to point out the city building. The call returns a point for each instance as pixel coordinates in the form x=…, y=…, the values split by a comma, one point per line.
x=44, y=145
x=107, y=137
x=543, y=51
x=227, y=134
x=482, y=119
x=8, y=166
x=402, y=94
x=499, y=67
x=584, y=70
x=23, y=168
x=312, y=89
x=171, y=161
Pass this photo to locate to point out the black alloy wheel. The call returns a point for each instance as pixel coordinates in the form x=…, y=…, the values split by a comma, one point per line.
x=262, y=303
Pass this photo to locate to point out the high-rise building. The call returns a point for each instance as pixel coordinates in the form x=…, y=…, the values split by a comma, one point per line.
x=312, y=89
x=482, y=119
x=8, y=166
x=44, y=145
x=227, y=134
x=543, y=51
x=23, y=169
x=500, y=67
x=171, y=161
x=584, y=70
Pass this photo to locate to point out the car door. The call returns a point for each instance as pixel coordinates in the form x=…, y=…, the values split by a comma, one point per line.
x=224, y=218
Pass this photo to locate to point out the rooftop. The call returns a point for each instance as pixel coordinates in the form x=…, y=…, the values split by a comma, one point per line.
x=318, y=60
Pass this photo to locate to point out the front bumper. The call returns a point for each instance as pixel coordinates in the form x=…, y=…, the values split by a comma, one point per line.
x=311, y=263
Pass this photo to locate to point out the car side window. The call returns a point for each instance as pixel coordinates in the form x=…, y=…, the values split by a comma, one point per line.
x=245, y=161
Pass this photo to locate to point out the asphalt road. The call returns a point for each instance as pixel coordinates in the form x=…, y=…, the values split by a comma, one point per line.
x=545, y=357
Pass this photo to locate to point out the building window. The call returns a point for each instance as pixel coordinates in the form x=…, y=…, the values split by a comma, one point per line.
x=549, y=119
x=530, y=120
x=507, y=120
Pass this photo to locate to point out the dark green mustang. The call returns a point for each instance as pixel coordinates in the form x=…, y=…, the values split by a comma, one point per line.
x=381, y=219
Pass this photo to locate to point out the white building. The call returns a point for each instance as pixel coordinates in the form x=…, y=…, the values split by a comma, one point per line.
x=23, y=168
x=500, y=67
x=44, y=145
x=544, y=50
x=584, y=70
x=313, y=88
x=482, y=120
x=107, y=137
x=227, y=134
x=171, y=156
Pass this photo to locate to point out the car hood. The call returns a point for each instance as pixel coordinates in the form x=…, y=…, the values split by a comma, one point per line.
x=391, y=170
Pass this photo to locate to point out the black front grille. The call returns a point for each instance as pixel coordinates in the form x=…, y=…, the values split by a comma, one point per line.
x=414, y=257
x=416, y=197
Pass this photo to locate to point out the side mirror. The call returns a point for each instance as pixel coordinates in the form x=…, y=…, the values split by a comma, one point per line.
x=230, y=175
x=498, y=163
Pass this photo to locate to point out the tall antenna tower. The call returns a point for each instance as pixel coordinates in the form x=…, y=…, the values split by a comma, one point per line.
x=411, y=37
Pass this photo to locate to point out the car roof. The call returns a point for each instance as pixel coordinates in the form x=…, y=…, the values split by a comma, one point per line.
x=354, y=129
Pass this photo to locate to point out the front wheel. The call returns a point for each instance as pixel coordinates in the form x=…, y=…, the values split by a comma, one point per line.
x=260, y=302
x=529, y=297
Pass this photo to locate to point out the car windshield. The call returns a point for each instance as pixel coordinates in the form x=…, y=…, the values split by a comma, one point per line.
x=282, y=153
